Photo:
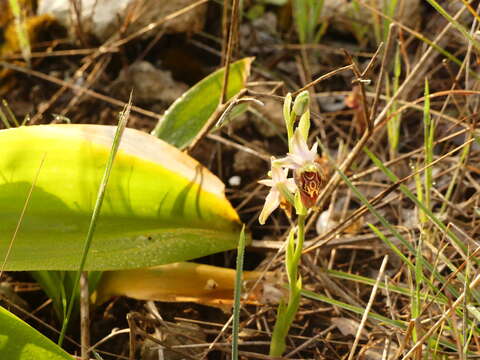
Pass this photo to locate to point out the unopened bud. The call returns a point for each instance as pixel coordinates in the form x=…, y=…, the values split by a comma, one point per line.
x=301, y=104
x=304, y=124
x=287, y=107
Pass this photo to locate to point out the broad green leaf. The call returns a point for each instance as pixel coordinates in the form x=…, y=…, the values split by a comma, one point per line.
x=161, y=206
x=188, y=115
x=19, y=341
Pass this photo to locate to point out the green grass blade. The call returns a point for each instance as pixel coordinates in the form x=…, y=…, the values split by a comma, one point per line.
x=429, y=133
x=21, y=30
x=419, y=188
x=57, y=284
x=4, y=119
x=355, y=309
x=391, y=245
x=412, y=197
x=10, y=113
x=425, y=296
x=455, y=23
x=393, y=124
x=237, y=294
x=393, y=231
x=370, y=208
x=53, y=286
x=441, y=226
x=300, y=16
x=390, y=6
x=416, y=303
x=122, y=123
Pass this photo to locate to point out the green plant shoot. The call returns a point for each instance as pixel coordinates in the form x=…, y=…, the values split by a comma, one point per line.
x=300, y=192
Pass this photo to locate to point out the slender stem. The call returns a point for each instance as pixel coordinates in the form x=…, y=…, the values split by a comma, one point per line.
x=298, y=248
x=286, y=314
x=238, y=294
x=84, y=315
x=300, y=238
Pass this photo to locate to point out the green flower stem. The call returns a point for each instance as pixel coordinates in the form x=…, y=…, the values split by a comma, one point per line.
x=300, y=239
x=286, y=312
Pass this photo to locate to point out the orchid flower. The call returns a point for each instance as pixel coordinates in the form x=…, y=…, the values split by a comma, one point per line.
x=282, y=189
x=309, y=175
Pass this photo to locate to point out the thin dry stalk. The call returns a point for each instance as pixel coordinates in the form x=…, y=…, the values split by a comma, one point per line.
x=383, y=66
x=240, y=147
x=309, y=341
x=42, y=109
x=114, y=333
x=52, y=53
x=406, y=339
x=217, y=338
x=368, y=307
x=28, y=314
x=94, y=75
x=132, y=325
x=224, y=31
x=22, y=215
x=229, y=49
x=417, y=71
x=75, y=87
x=336, y=178
x=303, y=65
x=76, y=9
x=84, y=315
x=117, y=43
x=322, y=78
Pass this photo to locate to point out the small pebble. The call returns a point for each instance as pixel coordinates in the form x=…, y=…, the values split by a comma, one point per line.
x=235, y=180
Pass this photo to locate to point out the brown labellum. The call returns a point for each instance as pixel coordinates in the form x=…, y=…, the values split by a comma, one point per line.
x=311, y=181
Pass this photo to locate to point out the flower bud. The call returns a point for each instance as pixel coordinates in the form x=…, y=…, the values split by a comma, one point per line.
x=287, y=108
x=304, y=124
x=301, y=104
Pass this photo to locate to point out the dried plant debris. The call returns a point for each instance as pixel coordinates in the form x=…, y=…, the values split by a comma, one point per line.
x=150, y=84
x=104, y=18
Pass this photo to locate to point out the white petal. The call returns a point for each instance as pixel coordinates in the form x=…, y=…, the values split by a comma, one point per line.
x=300, y=149
x=271, y=203
x=289, y=161
x=291, y=185
x=299, y=146
x=266, y=182
x=278, y=174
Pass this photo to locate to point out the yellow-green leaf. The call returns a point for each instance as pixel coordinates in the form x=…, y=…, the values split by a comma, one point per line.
x=188, y=115
x=161, y=206
x=19, y=341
